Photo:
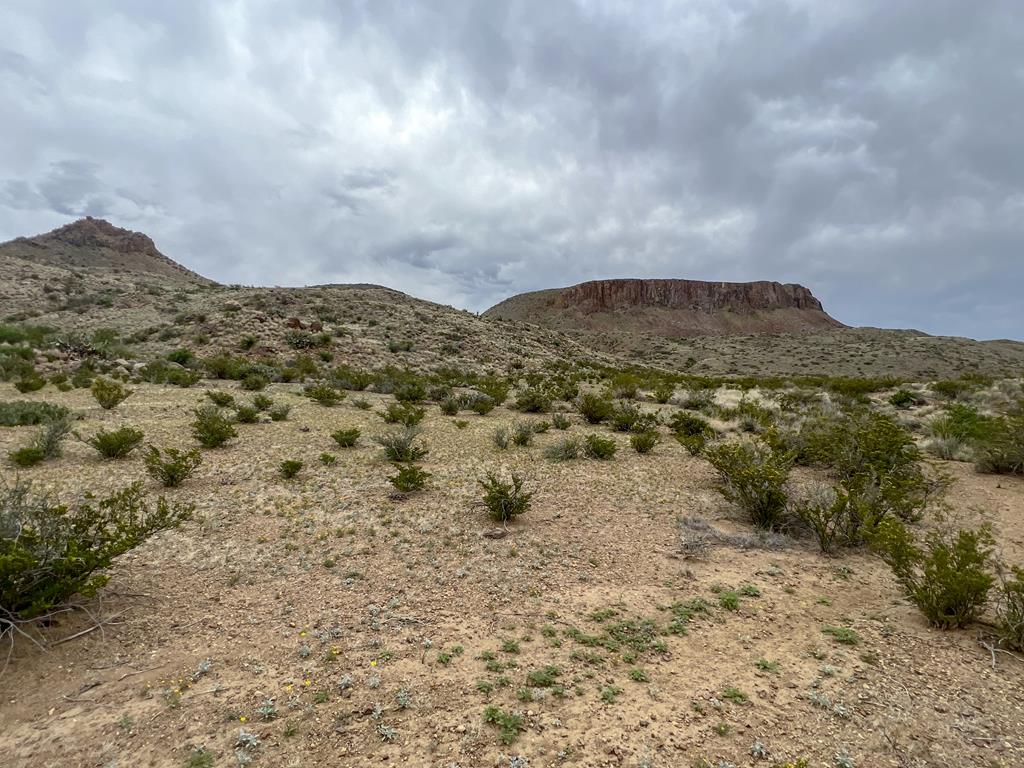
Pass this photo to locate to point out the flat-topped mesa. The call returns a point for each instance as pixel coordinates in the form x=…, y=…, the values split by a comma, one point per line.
x=672, y=308
x=704, y=296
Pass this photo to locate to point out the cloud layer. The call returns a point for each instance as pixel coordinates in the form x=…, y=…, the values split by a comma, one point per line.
x=464, y=151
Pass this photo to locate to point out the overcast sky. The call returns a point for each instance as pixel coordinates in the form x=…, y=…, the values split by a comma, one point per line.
x=463, y=152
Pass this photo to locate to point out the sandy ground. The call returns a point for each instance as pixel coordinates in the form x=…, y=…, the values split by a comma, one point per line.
x=343, y=627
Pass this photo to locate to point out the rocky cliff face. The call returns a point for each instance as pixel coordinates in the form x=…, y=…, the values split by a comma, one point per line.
x=97, y=244
x=674, y=308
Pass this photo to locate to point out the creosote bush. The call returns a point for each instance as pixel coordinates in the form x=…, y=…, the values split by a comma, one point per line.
x=47, y=444
x=108, y=393
x=398, y=446
x=324, y=394
x=564, y=450
x=1010, y=607
x=279, y=412
x=409, y=478
x=505, y=500
x=49, y=553
x=346, y=438
x=173, y=466
x=594, y=408
x=116, y=444
x=23, y=413
x=522, y=433
x=211, y=427
x=533, y=400
x=403, y=413
x=753, y=478
x=947, y=576
x=289, y=468
x=221, y=399
x=597, y=447
x=644, y=442
x=247, y=414
x=560, y=421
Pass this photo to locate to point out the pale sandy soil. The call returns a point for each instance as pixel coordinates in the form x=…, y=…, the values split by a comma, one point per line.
x=290, y=589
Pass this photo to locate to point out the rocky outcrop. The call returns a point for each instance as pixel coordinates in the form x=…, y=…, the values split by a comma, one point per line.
x=674, y=308
x=97, y=244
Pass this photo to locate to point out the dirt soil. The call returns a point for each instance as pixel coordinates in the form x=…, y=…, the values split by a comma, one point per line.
x=343, y=627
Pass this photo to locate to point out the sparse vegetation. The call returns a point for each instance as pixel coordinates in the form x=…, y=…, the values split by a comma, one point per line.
x=398, y=446
x=211, y=427
x=505, y=499
x=172, y=467
x=346, y=438
x=108, y=393
x=117, y=443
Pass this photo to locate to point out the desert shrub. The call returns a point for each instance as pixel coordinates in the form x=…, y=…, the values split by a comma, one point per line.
x=594, y=408
x=522, y=433
x=697, y=400
x=162, y=372
x=47, y=444
x=495, y=389
x=21, y=413
x=211, y=427
x=694, y=444
x=560, y=421
x=626, y=417
x=902, y=398
x=481, y=404
x=948, y=576
x=346, y=438
x=324, y=394
x=825, y=512
x=261, y=402
x=403, y=413
x=644, y=442
x=439, y=392
x=30, y=383
x=505, y=500
x=541, y=427
x=625, y=386
x=328, y=459
x=683, y=423
x=565, y=449
x=449, y=406
x=963, y=423
x=254, y=382
x=1002, y=452
x=857, y=388
x=182, y=356
x=279, y=412
x=399, y=447
x=109, y=394
x=753, y=478
x=533, y=400
x=410, y=392
x=951, y=389
x=361, y=403
x=662, y=393
x=173, y=466
x=501, y=438
x=116, y=444
x=597, y=447
x=49, y=553
x=409, y=478
x=247, y=414
x=289, y=468
x=1010, y=607
x=221, y=399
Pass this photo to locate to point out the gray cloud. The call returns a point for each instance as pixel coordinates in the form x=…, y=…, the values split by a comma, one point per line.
x=461, y=151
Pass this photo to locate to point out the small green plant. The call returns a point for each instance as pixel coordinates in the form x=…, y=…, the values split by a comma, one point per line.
x=522, y=434
x=947, y=576
x=842, y=635
x=533, y=400
x=279, y=412
x=480, y=404
x=644, y=442
x=1010, y=607
x=409, y=478
x=767, y=666
x=211, y=427
x=735, y=695
x=22, y=413
x=901, y=398
x=505, y=500
x=261, y=402
x=597, y=447
x=108, y=393
x=560, y=421
x=638, y=675
x=501, y=438
x=449, y=406
x=246, y=414
x=564, y=450
x=328, y=459
x=221, y=399
x=594, y=408
x=403, y=413
x=729, y=600
x=254, y=382
x=398, y=446
x=289, y=468
x=200, y=757
x=509, y=724
x=324, y=394
x=610, y=693
x=116, y=444
x=47, y=444
x=346, y=438
x=172, y=467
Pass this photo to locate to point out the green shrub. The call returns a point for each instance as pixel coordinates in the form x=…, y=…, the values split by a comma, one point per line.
x=403, y=413
x=328, y=459
x=501, y=438
x=662, y=393
x=694, y=444
x=211, y=427
x=279, y=412
x=172, y=467
x=494, y=389
x=109, y=394
x=509, y=724
x=625, y=386
x=564, y=450
x=262, y=402
x=117, y=443
x=964, y=423
x=505, y=500
x=254, y=382
x=324, y=394
x=951, y=389
x=597, y=447
x=410, y=392
x=754, y=479
x=346, y=438
x=902, y=398
x=361, y=403
x=49, y=553
x=181, y=356
x=688, y=425
x=289, y=468
x=826, y=512
x=398, y=446
x=533, y=400
x=625, y=416
x=1002, y=452
x=409, y=478
x=449, y=406
x=522, y=433
x=947, y=577
x=560, y=421
x=221, y=399
x=31, y=383
x=28, y=456
x=21, y=413
x=47, y=444
x=481, y=404
x=644, y=442
x=1010, y=607
x=702, y=400
x=594, y=408
x=247, y=414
